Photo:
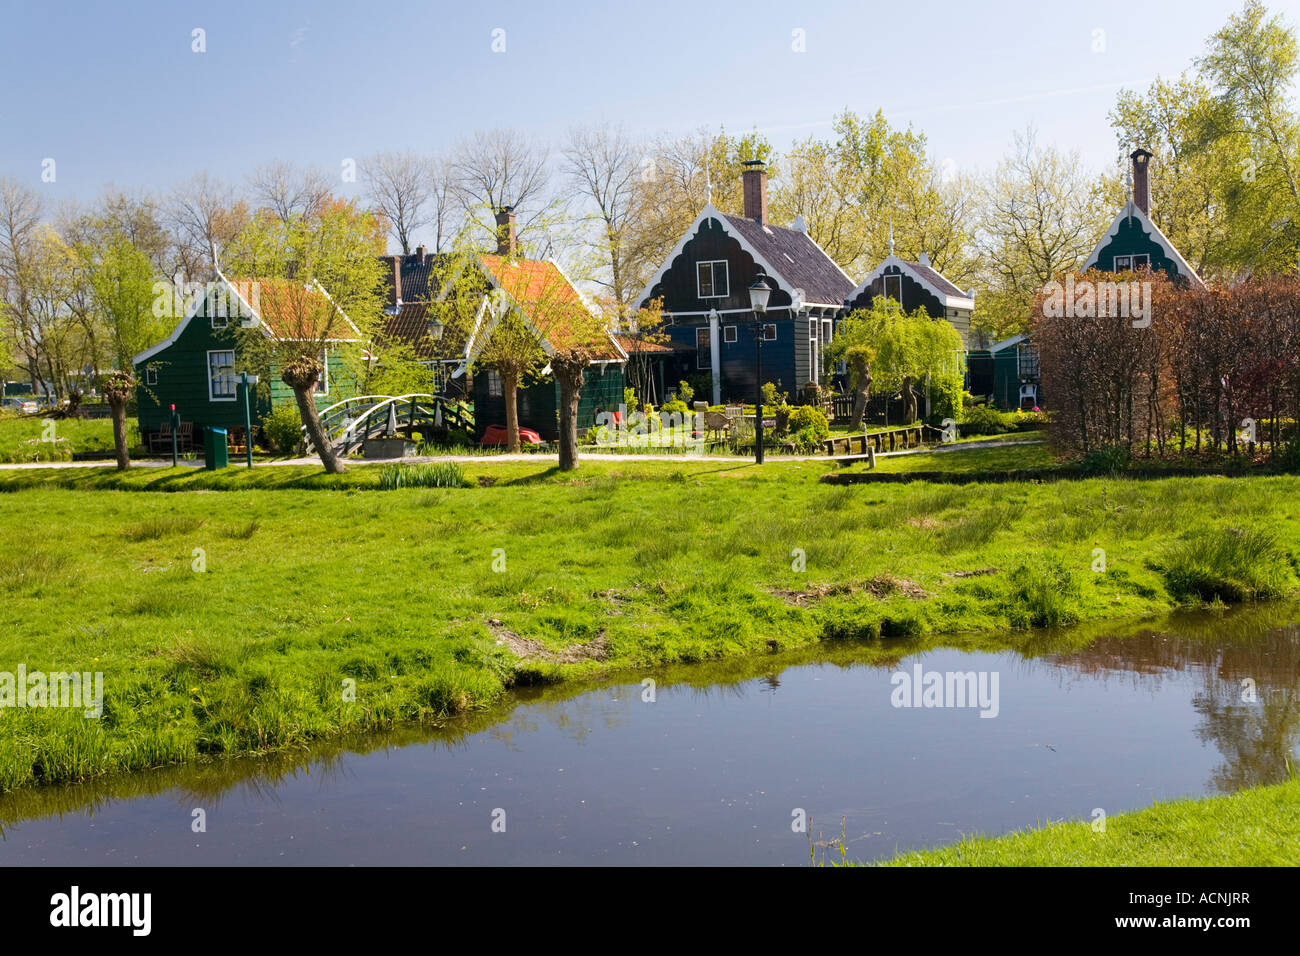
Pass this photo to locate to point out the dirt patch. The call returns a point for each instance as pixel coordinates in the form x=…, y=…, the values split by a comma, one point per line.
x=527, y=648
x=925, y=523
x=877, y=587
x=978, y=572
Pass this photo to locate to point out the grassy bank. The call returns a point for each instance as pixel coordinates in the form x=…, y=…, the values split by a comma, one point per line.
x=1256, y=827
x=265, y=617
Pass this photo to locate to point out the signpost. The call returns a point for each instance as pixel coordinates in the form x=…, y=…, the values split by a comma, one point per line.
x=248, y=380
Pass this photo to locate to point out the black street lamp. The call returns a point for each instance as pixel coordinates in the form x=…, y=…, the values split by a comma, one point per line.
x=758, y=295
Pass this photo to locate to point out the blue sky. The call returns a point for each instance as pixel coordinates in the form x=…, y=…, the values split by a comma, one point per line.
x=114, y=93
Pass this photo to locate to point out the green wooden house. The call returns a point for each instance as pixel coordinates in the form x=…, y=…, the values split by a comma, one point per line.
x=197, y=367
x=1133, y=242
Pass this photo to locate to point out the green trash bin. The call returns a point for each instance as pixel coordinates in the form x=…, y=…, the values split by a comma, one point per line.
x=215, y=453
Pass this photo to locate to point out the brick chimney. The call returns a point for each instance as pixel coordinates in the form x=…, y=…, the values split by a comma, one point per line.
x=1141, y=180
x=507, y=243
x=419, y=254
x=397, y=280
x=755, y=181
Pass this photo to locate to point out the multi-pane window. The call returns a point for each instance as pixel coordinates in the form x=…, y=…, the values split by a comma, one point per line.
x=151, y=376
x=495, y=388
x=711, y=279
x=1028, y=357
x=769, y=333
x=1141, y=262
x=703, y=349
x=729, y=333
x=1123, y=263
x=221, y=376
x=894, y=287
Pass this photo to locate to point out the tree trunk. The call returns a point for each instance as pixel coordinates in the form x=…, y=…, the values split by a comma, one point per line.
x=569, y=373
x=306, y=399
x=861, y=393
x=510, y=386
x=118, y=406
x=909, y=402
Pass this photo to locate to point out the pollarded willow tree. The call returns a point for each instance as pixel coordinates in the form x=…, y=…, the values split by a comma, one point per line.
x=900, y=349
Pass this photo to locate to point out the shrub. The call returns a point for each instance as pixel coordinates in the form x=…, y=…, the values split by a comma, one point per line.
x=685, y=393
x=807, y=417
x=676, y=405
x=283, y=429
x=1226, y=564
x=1109, y=460
x=437, y=474
x=630, y=399
x=1043, y=593
x=983, y=420
x=806, y=441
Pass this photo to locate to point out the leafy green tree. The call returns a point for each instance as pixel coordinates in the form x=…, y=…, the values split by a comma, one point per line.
x=901, y=349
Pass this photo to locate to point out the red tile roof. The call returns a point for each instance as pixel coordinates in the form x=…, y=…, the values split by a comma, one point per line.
x=550, y=303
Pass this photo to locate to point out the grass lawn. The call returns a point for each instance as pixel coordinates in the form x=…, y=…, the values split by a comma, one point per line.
x=295, y=606
x=25, y=438
x=1256, y=827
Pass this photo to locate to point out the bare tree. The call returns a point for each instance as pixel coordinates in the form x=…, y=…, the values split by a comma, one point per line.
x=289, y=190
x=399, y=185
x=444, y=209
x=205, y=212
x=500, y=168
x=20, y=218
x=601, y=164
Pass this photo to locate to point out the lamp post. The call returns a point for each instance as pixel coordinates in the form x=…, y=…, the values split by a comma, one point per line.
x=435, y=329
x=758, y=295
x=248, y=380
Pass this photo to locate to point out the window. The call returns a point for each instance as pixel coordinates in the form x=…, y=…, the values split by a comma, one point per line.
x=495, y=388
x=221, y=376
x=151, y=376
x=216, y=302
x=711, y=278
x=826, y=331
x=1141, y=262
x=703, y=349
x=769, y=333
x=1028, y=361
x=323, y=383
x=1123, y=263
x=729, y=333
x=894, y=287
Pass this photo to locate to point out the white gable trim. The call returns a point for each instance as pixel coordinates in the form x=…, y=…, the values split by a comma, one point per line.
x=948, y=301
x=1131, y=209
x=711, y=212
x=1007, y=343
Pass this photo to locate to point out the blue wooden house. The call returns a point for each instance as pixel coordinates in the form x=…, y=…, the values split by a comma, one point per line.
x=704, y=285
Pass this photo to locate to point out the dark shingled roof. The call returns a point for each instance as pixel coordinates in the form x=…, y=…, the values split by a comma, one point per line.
x=936, y=280
x=411, y=324
x=796, y=259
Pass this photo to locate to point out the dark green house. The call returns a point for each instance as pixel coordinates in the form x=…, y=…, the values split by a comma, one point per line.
x=1133, y=242
x=197, y=367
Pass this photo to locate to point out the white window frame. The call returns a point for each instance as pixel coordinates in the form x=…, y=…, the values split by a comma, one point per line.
x=1126, y=267
x=495, y=387
x=1144, y=264
x=730, y=334
x=234, y=389
x=713, y=284
x=896, y=277
x=766, y=327
x=151, y=376
x=828, y=330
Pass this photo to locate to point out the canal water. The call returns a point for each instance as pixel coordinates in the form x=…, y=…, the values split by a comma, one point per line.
x=717, y=765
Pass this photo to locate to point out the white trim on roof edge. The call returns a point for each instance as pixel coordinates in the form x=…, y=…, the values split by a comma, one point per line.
x=712, y=212
x=948, y=301
x=1131, y=209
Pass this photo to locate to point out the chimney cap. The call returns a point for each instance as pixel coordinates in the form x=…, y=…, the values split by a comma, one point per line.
x=753, y=163
x=1140, y=155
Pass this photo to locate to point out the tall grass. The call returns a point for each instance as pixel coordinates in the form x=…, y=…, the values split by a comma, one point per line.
x=437, y=474
x=1227, y=564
